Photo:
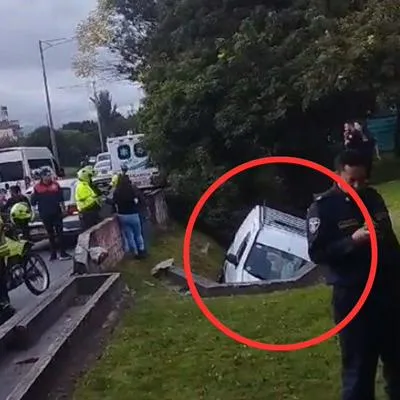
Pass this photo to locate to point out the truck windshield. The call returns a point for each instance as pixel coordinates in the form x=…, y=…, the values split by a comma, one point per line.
x=268, y=263
x=103, y=157
x=11, y=171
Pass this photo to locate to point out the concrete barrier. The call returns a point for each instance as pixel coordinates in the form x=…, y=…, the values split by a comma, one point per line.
x=311, y=276
x=100, y=248
x=39, y=348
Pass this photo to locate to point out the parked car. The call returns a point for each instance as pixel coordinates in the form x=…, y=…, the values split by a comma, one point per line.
x=72, y=226
x=103, y=157
x=103, y=168
x=269, y=246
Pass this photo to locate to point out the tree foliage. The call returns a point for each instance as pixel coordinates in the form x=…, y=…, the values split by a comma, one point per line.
x=77, y=139
x=106, y=111
x=230, y=80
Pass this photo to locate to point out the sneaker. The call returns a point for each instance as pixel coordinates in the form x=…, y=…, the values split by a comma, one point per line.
x=53, y=257
x=65, y=256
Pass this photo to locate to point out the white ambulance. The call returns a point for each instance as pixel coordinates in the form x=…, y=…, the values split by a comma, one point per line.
x=129, y=150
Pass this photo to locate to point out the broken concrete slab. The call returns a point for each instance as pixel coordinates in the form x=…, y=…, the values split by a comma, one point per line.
x=161, y=267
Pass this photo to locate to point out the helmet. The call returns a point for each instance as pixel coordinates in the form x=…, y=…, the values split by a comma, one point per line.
x=20, y=212
x=124, y=167
x=85, y=174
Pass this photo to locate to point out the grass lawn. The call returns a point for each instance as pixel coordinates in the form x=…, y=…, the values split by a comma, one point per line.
x=166, y=349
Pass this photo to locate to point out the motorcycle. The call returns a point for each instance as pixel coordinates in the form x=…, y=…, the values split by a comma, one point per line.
x=24, y=265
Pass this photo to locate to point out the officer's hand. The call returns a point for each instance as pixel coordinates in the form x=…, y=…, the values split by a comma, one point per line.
x=361, y=236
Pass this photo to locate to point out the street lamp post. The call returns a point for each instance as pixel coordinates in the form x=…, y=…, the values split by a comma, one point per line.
x=50, y=43
x=99, y=121
x=50, y=115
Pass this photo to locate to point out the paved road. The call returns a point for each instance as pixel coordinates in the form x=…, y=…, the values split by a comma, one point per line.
x=21, y=297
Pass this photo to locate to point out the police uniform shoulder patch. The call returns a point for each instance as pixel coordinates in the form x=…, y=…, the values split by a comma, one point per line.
x=313, y=224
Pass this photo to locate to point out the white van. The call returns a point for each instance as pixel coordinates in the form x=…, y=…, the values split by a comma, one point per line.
x=269, y=246
x=17, y=164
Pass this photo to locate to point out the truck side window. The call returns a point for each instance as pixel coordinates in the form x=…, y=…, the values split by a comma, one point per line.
x=242, y=247
x=124, y=152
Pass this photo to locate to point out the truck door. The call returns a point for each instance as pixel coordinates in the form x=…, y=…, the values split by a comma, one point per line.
x=238, y=246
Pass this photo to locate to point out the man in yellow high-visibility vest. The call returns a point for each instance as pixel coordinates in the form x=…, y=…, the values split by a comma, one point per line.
x=6, y=310
x=87, y=199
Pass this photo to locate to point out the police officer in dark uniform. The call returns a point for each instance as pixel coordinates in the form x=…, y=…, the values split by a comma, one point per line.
x=339, y=240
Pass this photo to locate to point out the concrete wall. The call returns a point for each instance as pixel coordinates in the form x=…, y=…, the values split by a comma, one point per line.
x=207, y=288
x=107, y=236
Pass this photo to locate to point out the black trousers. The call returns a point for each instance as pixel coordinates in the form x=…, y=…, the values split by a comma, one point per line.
x=372, y=335
x=54, y=227
x=90, y=218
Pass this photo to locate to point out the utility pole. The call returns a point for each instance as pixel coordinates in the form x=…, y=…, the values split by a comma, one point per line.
x=50, y=115
x=99, y=122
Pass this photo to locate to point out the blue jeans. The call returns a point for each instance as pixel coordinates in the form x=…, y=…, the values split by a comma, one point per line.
x=145, y=231
x=131, y=228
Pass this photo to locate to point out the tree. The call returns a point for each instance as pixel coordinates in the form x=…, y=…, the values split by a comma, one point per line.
x=228, y=81
x=73, y=144
x=8, y=141
x=81, y=126
x=107, y=112
x=94, y=33
x=126, y=37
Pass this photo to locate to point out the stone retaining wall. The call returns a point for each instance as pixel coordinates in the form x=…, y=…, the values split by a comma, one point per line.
x=100, y=248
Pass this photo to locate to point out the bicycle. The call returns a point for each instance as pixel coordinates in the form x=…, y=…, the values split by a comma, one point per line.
x=24, y=265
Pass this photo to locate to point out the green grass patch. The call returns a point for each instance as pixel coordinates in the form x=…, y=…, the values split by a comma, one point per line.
x=386, y=170
x=166, y=349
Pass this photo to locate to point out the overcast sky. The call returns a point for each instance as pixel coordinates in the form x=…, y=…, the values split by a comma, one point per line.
x=21, y=83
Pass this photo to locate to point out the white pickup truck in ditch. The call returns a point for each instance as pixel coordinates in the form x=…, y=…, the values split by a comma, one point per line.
x=269, y=246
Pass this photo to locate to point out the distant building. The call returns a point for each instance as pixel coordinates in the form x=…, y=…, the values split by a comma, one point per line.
x=10, y=130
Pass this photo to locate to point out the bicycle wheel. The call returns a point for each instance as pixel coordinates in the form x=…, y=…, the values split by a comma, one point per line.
x=37, y=276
